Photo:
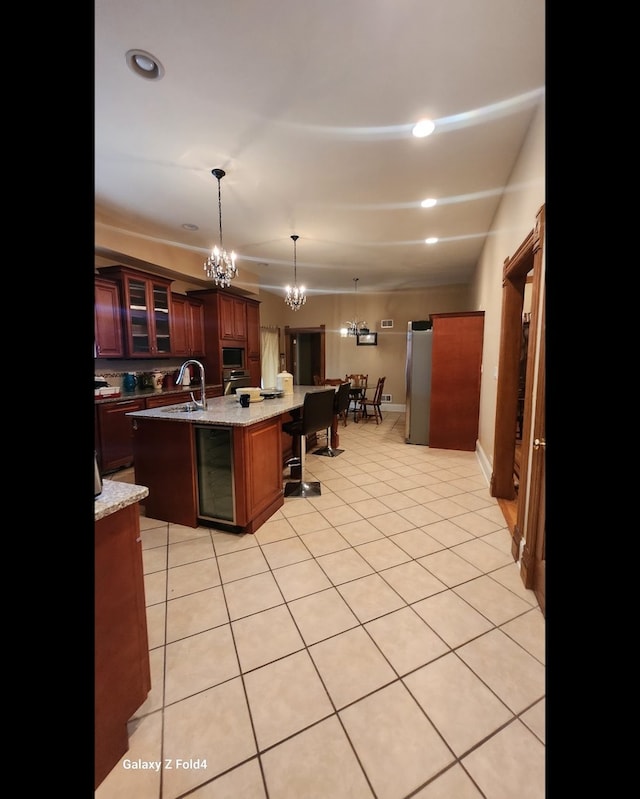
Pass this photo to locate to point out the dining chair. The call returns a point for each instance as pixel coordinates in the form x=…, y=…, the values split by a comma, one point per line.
x=373, y=403
x=357, y=392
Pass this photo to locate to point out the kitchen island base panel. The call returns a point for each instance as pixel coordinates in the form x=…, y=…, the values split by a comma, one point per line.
x=164, y=453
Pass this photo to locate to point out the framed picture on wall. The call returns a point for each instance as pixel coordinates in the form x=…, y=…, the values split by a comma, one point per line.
x=367, y=339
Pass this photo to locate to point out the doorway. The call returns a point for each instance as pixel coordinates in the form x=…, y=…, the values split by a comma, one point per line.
x=528, y=533
x=305, y=353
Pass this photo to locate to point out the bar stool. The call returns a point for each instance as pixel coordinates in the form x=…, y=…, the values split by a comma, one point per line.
x=317, y=414
x=340, y=408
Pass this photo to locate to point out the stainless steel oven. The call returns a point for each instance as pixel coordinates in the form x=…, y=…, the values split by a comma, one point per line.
x=234, y=379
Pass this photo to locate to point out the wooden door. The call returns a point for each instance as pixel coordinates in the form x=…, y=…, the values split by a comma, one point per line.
x=528, y=534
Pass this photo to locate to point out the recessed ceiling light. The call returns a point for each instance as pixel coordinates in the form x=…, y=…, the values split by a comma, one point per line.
x=190, y=226
x=423, y=128
x=428, y=203
x=144, y=64
x=431, y=240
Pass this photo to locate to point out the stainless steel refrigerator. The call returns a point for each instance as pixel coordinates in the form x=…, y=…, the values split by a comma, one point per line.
x=418, y=382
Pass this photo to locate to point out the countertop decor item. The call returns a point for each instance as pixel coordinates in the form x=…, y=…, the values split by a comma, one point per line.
x=220, y=266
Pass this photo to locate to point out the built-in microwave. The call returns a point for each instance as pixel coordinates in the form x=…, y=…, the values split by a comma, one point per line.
x=233, y=357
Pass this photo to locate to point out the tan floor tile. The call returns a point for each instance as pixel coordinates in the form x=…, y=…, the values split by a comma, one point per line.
x=156, y=621
x=301, y=579
x=155, y=587
x=243, y=781
x=359, y=532
x=447, y=533
x=315, y=764
x=274, y=530
x=251, y=595
x=453, y=619
x=265, y=637
x=453, y=784
x=476, y=524
x=145, y=743
x=491, y=599
x=510, y=577
x=416, y=543
x=192, y=577
x=422, y=495
x=322, y=542
x=412, y=581
x=529, y=631
x=509, y=764
x=535, y=720
x=449, y=567
x=286, y=552
x=321, y=615
x=398, y=747
x=406, y=640
x=224, y=542
x=212, y=725
x=179, y=533
x=459, y=704
x=190, y=551
x=246, y=563
x=351, y=666
x=195, y=613
x=397, y=501
x=154, y=560
x=154, y=536
x=482, y=555
x=344, y=565
x=155, y=696
x=420, y=515
x=365, y=509
x=446, y=508
x=370, y=597
x=309, y=522
x=514, y=675
x=382, y=554
x=285, y=697
x=199, y=662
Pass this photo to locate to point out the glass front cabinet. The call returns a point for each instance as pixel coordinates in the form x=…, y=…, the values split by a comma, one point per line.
x=146, y=308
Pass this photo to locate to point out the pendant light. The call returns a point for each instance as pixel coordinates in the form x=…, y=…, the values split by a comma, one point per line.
x=220, y=266
x=356, y=326
x=296, y=297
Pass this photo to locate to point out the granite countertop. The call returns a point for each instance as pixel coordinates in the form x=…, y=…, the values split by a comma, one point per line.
x=227, y=411
x=143, y=393
x=115, y=496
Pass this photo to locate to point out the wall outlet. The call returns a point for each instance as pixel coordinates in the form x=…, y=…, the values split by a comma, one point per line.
x=385, y=398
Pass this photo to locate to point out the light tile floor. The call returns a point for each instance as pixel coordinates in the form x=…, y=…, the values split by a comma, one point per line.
x=376, y=641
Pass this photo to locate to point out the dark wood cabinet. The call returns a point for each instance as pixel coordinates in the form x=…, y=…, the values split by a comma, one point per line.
x=187, y=327
x=254, y=363
x=115, y=431
x=230, y=321
x=233, y=318
x=108, y=323
x=456, y=367
x=146, y=312
x=122, y=671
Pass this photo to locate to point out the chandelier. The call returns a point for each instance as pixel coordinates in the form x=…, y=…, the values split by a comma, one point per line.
x=356, y=326
x=296, y=297
x=220, y=266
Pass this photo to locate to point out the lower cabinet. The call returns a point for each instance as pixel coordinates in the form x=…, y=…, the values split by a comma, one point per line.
x=122, y=671
x=116, y=433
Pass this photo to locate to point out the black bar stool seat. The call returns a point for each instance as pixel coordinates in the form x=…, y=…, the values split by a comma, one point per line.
x=317, y=414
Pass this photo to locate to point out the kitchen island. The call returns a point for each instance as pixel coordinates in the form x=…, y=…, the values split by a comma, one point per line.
x=221, y=466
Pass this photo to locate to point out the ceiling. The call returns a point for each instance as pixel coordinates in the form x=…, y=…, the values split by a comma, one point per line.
x=308, y=107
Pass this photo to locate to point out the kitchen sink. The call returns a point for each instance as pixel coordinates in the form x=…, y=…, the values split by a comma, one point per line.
x=188, y=408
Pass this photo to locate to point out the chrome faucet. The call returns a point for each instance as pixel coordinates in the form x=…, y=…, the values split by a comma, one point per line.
x=203, y=399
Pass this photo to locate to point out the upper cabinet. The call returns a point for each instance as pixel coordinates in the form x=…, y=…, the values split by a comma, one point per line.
x=187, y=326
x=108, y=326
x=233, y=317
x=146, y=309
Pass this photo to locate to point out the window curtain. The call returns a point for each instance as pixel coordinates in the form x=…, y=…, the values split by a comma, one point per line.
x=269, y=346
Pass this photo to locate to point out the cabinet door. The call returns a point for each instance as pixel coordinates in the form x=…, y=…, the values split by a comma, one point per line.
x=146, y=311
x=456, y=363
x=233, y=317
x=254, y=363
x=187, y=327
x=108, y=325
x=116, y=433
x=179, y=326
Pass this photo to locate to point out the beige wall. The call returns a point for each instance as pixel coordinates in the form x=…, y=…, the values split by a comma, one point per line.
x=516, y=216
